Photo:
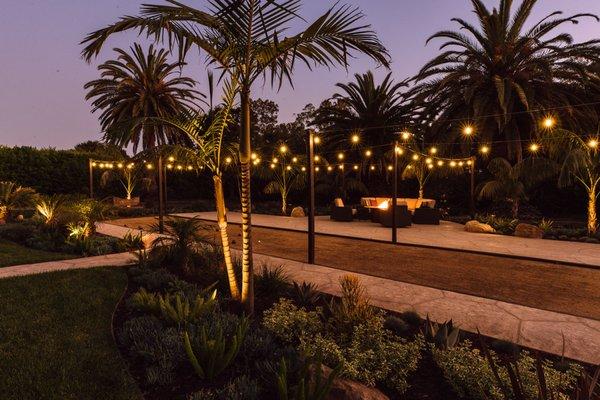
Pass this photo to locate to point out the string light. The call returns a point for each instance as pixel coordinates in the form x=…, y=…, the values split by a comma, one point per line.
x=355, y=138
x=355, y=167
x=169, y=166
x=453, y=163
x=461, y=163
x=549, y=122
x=368, y=153
x=228, y=160
x=341, y=167
x=253, y=156
x=303, y=169
x=390, y=168
x=534, y=147
x=433, y=150
x=469, y=162
x=289, y=168
x=101, y=165
x=120, y=165
x=317, y=158
x=372, y=168
x=272, y=165
x=428, y=160
x=275, y=160
x=430, y=166
x=405, y=135
x=179, y=167
x=340, y=156
x=468, y=130
x=149, y=166
x=593, y=143
x=283, y=148
x=94, y=164
x=317, y=169
x=440, y=163
x=317, y=140
x=329, y=168
x=171, y=159
x=130, y=166
x=399, y=150
x=484, y=149
x=415, y=157
x=189, y=168
x=295, y=159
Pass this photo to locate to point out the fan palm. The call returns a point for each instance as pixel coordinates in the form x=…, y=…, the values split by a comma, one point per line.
x=135, y=86
x=244, y=39
x=13, y=196
x=179, y=244
x=207, y=147
x=498, y=73
x=579, y=160
x=510, y=182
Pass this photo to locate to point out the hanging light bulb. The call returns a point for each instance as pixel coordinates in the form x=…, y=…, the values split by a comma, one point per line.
x=368, y=153
x=228, y=160
x=130, y=166
x=340, y=156
x=415, y=157
x=468, y=130
x=469, y=162
x=428, y=160
x=355, y=138
x=399, y=150
x=289, y=168
x=149, y=166
x=534, y=147
x=329, y=168
x=254, y=156
x=283, y=148
x=430, y=166
x=440, y=163
x=317, y=169
x=179, y=167
x=275, y=160
x=169, y=166
x=189, y=168
x=120, y=165
x=355, y=167
x=433, y=150
x=101, y=165
x=317, y=158
x=171, y=158
x=593, y=143
x=453, y=163
x=549, y=122
x=409, y=167
x=94, y=164
x=295, y=159
x=341, y=167
x=461, y=163
x=484, y=149
x=390, y=167
x=317, y=140
x=405, y=135
x=272, y=165
x=372, y=168
x=303, y=169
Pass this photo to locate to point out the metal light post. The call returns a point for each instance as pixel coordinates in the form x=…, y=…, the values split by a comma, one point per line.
x=395, y=195
x=311, y=196
x=472, y=189
x=161, y=196
x=91, y=177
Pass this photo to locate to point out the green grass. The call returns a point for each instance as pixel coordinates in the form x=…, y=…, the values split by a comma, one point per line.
x=55, y=337
x=14, y=254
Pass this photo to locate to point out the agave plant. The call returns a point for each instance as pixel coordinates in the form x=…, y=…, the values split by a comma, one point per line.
x=442, y=336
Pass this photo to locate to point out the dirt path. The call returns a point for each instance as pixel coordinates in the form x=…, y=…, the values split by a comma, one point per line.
x=565, y=289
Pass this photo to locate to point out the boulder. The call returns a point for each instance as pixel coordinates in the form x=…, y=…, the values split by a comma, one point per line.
x=478, y=227
x=528, y=231
x=20, y=218
x=298, y=212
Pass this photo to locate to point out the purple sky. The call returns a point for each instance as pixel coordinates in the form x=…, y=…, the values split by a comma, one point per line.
x=42, y=76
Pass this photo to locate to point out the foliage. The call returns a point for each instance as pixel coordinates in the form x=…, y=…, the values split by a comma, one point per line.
x=174, y=309
x=305, y=295
x=13, y=196
x=178, y=246
x=17, y=231
x=353, y=307
x=133, y=241
x=412, y=318
x=240, y=388
x=271, y=281
x=505, y=226
x=473, y=375
x=307, y=382
x=289, y=323
x=139, y=85
x=396, y=325
x=210, y=354
x=546, y=225
x=160, y=349
x=501, y=70
x=443, y=336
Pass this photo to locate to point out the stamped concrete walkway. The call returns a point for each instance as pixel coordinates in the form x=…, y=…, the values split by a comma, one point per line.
x=447, y=235
x=527, y=326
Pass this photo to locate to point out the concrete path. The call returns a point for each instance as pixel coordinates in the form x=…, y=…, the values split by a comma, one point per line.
x=447, y=235
x=538, y=329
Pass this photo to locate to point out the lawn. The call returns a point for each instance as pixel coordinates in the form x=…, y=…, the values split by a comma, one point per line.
x=56, y=340
x=14, y=254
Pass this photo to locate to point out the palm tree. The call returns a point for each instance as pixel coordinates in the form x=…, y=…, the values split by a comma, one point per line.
x=579, y=160
x=140, y=85
x=363, y=104
x=244, y=39
x=179, y=244
x=283, y=176
x=13, y=196
x=206, y=151
x=498, y=73
x=510, y=182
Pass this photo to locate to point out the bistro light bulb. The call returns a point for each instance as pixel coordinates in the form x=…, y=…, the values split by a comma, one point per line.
x=317, y=140
x=340, y=156
x=430, y=166
x=415, y=157
x=289, y=168
x=355, y=138
x=130, y=166
x=171, y=158
x=341, y=166
x=409, y=167
x=390, y=168
x=295, y=159
x=272, y=166
x=548, y=122
x=228, y=160
x=468, y=130
x=303, y=169
x=120, y=165
x=440, y=163
x=534, y=147
x=399, y=150
x=94, y=164
x=149, y=166
x=372, y=168
x=355, y=167
x=329, y=168
x=275, y=160
x=283, y=148
x=469, y=162
x=368, y=153
x=317, y=158
x=405, y=135
x=461, y=163
x=180, y=167
x=169, y=166
x=253, y=156
x=433, y=150
x=189, y=168
x=428, y=160
x=484, y=149
x=593, y=143
x=453, y=164
x=317, y=169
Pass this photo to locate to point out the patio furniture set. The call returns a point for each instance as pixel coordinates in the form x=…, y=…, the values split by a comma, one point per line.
x=378, y=209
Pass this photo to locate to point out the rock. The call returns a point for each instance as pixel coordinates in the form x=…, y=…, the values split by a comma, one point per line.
x=345, y=389
x=528, y=231
x=20, y=218
x=478, y=227
x=298, y=212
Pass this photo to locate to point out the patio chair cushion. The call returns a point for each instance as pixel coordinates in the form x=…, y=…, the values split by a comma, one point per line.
x=338, y=202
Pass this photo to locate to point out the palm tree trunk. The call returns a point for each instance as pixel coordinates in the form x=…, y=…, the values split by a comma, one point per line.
x=515, y=208
x=222, y=221
x=421, y=191
x=283, y=204
x=592, y=223
x=245, y=157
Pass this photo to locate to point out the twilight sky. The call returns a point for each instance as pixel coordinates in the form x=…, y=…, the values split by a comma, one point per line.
x=42, y=75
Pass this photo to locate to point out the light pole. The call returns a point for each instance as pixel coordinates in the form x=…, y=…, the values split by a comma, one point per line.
x=311, y=196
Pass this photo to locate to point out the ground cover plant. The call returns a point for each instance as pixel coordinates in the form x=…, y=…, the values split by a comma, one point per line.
x=56, y=340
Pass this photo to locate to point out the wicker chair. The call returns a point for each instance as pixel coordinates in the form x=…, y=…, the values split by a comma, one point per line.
x=426, y=216
x=403, y=217
x=340, y=212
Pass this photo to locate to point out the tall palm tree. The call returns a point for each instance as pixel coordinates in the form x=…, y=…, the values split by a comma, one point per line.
x=244, y=39
x=375, y=110
x=13, y=196
x=510, y=182
x=579, y=160
x=498, y=73
x=206, y=151
x=140, y=85
x=282, y=177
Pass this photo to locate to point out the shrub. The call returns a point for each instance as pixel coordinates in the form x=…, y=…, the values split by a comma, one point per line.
x=241, y=388
x=397, y=325
x=289, y=323
x=353, y=307
x=259, y=344
x=272, y=282
x=471, y=375
x=306, y=382
x=133, y=242
x=412, y=318
x=153, y=279
x=160, y=350
x=305, y=295
x=18, y=232
x=210, y=353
